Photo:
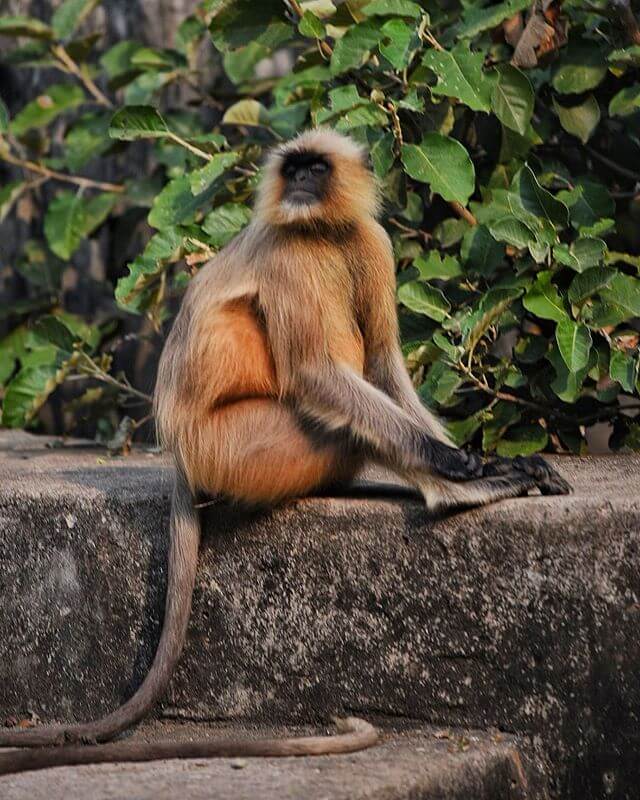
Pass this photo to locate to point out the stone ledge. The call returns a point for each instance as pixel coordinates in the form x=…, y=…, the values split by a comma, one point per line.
x=524, y=616
x=408, y=764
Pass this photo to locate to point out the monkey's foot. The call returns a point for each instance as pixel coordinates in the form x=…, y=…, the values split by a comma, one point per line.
x=545, y=476
x=454, y=463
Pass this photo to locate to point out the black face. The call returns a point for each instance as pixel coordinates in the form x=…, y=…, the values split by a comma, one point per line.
x=306, y=176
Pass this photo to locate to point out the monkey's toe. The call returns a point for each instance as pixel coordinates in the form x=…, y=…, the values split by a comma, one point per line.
x=547, y=479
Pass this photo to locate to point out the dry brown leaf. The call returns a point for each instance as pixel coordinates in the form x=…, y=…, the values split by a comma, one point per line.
x=544, y=33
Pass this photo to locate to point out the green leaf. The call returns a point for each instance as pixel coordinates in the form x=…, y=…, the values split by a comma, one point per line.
x=581, y=67
x=245, y=22
x=381, y=151
x=247, y=112
x=289, y=120
x=4, y=117
x=566, y=385
x=625, y=102
x=574, y=344
x=51, y=330
x=225, y=222
x=176, y=204
x=623, y=368
x=590, y=282
x=440, y=384
x=70, y=218
x=489, y=310
x=588, y=252
x=480, y=252
x=24, y=26
x=88, y=138
x=400, y=41
x=588, y=202
x=354, y=48
x=164, y=247
x=543, y=299
x=460, y=75
x=392, y=8
x=44, y=109
x=69, y=15
x=201, y=179
x=475, y=20
x=581, y=120
x=524, y=440
x=27, y=393
x=117, y=61
x=513, y=232
x=503, y=416
x=512, y=99
x=538, y=201
x=137, y=122
x=443, y=163
x=434, y=266
x=311, y=27
x=624, y=292
x=424, y=299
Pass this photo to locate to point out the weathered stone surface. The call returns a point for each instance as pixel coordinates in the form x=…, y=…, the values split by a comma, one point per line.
x=524, y=616
x=411, y=764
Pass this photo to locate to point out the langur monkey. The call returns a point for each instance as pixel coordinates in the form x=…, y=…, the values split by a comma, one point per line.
x=281, y=376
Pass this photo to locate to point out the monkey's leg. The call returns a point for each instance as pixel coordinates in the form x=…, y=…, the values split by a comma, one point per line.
x=338, y=398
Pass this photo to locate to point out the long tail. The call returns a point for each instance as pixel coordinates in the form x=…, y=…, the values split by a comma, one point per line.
x=354, y=734
x=183, y=561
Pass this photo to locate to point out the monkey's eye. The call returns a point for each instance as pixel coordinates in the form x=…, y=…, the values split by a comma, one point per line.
x=319, y=168
x=289, y=171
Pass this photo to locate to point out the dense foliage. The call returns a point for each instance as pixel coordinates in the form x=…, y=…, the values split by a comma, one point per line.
x=505, y=136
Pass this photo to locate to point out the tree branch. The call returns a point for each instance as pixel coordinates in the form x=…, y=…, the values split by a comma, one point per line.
x=61, y=54
x=77, y=180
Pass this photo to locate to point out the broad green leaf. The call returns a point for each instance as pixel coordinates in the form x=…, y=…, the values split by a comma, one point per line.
x=503, y=416
x=176, y=204
x=246, y=22
x=381, y=151
x=4, y=117
x=424, y=299
x=117, y=61
x=588, y=252
x=524, y=440
x=623, y=368
x=45, y=108
x=462, y=431
x=311, y=27
x=434, y=266
x=440, y=384
x=512, y=231
x=480, y=252
x=543, y=299
x=538, y=201
x=488, y=312
x=353, y=49
x=566, y=385
x=590, y=282
x=625, y=102
x=581, y=67
x=460, y=75
x=9, y=193
x=475, y=19
x=247, y=112
x=163, y=248
x=51, y=330
x=224, y=222
x=588, y=202
x=137, y=122
x=392, y=8
x=289, y=120
x=574, y=344
x=201, y=179
x=580, y=120
x=24, y=26
x=624, y=292
x=155, y=58
x=88, y=138
x=443, y=163
x=399, y=42
x=70, y=218
x=28, y=392
x=512, y=99
x=69, y=15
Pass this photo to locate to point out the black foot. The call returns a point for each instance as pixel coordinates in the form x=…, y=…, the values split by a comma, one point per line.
x=453, y=463
x=545, y=476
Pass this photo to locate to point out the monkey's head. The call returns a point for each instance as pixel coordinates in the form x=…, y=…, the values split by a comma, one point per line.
x=321, y=176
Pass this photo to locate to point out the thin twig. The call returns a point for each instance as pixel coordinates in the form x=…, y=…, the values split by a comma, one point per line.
x=463, y=212
x=61, y=54
x=635, y=176
x=77, y=180
x=192, y=148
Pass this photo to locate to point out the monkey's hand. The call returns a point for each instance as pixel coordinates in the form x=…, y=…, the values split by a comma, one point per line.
x=452, y=462
x=545, y=476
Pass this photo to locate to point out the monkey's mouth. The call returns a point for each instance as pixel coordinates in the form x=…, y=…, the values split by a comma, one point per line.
x=302, y=197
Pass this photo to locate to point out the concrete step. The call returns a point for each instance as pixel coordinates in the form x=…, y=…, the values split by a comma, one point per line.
x=425, y=763
x=524, y=616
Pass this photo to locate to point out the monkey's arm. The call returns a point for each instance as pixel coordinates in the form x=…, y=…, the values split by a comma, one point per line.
x=336, y=397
